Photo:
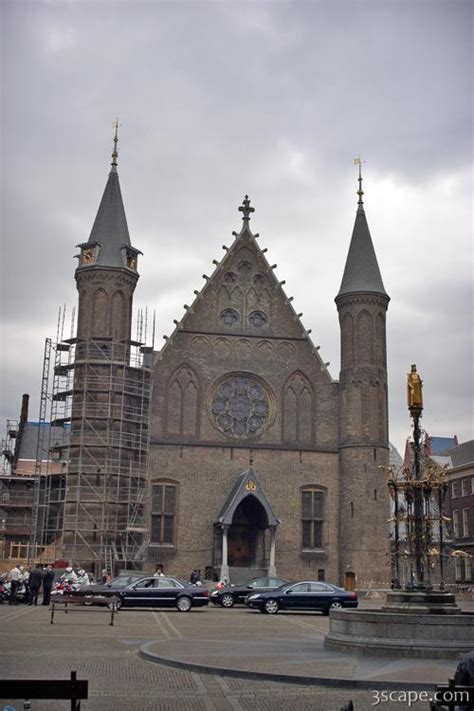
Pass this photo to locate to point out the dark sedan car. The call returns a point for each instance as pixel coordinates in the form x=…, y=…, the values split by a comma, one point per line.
x=162, y=592
x=304, y=595
x=230, y=594
x=100, y=593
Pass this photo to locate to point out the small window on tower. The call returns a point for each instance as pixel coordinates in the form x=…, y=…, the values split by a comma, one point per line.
x=88, y=255
x=132, y=261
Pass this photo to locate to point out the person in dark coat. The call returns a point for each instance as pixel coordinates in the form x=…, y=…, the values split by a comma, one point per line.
x=35, y=580
x=464, y=676
x=48, y=580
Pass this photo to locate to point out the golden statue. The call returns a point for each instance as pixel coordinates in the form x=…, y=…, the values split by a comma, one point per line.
x=414, y=389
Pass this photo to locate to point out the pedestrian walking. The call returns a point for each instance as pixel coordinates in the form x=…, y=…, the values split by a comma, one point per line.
x=14, y=577
x=48, y=580
x=35, y=580
x=159, y=570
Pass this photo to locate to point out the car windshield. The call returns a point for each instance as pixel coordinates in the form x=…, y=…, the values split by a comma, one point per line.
x=122, y=581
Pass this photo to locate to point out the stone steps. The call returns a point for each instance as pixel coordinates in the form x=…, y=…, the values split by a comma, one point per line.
x=241, y=576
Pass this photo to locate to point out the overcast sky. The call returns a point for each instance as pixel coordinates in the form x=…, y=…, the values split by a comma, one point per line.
x=273, y=99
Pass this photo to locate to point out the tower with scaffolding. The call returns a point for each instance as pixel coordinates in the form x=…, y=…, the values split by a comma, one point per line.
x=95, y=515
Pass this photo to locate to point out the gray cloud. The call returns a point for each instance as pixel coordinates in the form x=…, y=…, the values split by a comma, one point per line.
x=222, y=98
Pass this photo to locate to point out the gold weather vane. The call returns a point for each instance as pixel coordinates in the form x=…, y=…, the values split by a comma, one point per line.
x=115, y=125
x=358, y=161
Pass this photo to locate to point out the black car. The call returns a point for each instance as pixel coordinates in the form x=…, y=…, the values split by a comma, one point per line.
x=230, y=594
x=304, y=595
x=162, y=591
x=100, y=593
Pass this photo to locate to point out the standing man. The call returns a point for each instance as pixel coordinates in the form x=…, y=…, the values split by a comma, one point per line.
x=15, y=578
x=36, y=578
x=48, y=580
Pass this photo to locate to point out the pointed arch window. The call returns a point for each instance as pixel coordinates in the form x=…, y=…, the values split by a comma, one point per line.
x=298, y=403
x=182, y=402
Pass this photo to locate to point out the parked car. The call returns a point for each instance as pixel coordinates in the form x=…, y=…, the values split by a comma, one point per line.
x=230, y=595
x=100, y=593
x=304, y=595
x=162, y=592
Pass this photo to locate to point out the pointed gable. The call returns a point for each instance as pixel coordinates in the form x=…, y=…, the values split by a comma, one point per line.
x=244, y=298
x=246, y=484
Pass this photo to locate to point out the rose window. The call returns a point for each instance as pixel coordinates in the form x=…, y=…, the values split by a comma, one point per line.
x=240, y=407
x=229, y=317
x=258, y=319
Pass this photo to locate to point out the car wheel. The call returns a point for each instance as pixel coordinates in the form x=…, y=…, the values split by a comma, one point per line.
x=271, y=606
x=335, y=605
x=184, y=604
x=227, y=600
x=88, y=600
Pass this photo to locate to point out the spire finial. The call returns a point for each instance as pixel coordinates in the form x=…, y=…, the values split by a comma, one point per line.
x=358, y=161
x=115, y=151
x=246, y=210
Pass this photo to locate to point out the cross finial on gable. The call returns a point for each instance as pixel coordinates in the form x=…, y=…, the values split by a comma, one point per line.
x=246, y=210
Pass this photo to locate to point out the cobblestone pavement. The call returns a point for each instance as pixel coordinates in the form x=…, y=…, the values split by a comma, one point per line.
x=119, y=679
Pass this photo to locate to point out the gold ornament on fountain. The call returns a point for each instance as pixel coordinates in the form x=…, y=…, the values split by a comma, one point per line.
x=414, y=390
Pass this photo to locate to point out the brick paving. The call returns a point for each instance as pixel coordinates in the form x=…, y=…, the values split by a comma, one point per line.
x=119, y=679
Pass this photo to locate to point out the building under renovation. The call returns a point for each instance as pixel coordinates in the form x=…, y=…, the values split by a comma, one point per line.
x=232, y=448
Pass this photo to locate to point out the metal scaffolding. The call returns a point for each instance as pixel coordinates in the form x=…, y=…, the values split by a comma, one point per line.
x=91, y=503
x=105, y=522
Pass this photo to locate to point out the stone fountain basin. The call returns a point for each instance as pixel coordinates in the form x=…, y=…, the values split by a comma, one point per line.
x=406, y=634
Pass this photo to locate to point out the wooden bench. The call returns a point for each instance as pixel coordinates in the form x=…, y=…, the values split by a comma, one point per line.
x=78, y=600
x=27, y=689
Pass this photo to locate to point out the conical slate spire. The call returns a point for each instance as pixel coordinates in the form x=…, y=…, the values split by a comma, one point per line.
x=110, y=228
x=361, y=272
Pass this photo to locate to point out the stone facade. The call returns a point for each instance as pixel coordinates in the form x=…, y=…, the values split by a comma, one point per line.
x=240, y=379
x=238, y=388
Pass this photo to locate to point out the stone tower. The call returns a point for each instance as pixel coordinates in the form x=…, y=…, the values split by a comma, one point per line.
x=363, y=426
x=104, y=502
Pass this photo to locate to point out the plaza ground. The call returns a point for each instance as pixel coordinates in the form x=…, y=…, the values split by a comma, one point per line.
x=120, y=677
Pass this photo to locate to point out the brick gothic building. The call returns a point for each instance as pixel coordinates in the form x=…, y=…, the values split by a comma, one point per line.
x=257, y=459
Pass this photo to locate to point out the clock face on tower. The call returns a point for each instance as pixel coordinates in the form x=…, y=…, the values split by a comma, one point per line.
x=132, y=261
x=88, y=255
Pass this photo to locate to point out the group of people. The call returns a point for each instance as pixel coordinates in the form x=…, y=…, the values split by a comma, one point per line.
x=195, y=578
x=33, y=579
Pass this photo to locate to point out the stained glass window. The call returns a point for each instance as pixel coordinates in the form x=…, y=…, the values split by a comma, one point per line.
x=240, y=407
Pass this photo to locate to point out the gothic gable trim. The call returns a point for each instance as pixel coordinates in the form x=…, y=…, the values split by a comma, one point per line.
x=246, y=484
x=245, y=244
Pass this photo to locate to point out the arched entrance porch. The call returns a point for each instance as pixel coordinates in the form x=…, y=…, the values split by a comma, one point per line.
x=245, y=529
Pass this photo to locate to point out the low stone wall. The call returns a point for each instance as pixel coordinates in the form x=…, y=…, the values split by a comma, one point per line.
x=400, y=634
